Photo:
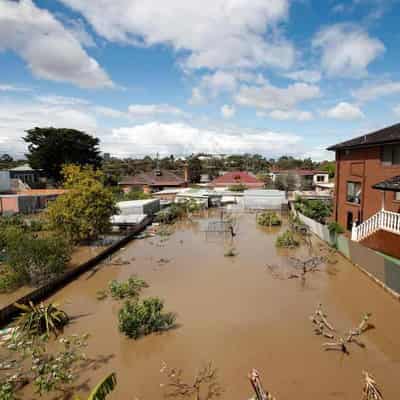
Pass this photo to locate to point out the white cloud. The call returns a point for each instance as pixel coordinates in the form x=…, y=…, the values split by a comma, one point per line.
x=207, y=34
x=272, y=97
x=154, y=110
x=49, y=49
x=396, y=110
x=15, y=118
x=78, y=29
x=13, y=88
x=110, y=112
x=284, y=115
x=228, y=111
x=61, y=100
x=345, y=111
x=305, y=75
x=375, y=90
x=219, y=82
x=347, y=50
x=183, y=139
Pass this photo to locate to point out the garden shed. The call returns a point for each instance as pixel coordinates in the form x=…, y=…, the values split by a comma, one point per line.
x=259, y=199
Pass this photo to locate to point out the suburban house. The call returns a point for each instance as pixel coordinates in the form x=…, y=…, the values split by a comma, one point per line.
x=237, y=178
x=367, y=189
x=154, y=181
x=26, y=174
x=303, y=178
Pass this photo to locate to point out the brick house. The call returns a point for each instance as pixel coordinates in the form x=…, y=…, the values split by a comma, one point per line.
x=154, y=181
x=367, y=189
x=237, y=178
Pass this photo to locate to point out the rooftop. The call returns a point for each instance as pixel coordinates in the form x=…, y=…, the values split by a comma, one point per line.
x=237, y=178
x=391, y=184
x=389, y=134
x=161, y=177
x=298, y=171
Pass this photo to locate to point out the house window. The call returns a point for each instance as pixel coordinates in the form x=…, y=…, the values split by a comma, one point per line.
x=353, y=192
x=320, y=178
x=390, y=154
x=397, y=196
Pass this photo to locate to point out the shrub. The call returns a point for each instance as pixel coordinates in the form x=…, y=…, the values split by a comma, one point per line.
x=317, y=210
x=128, y=289
x=135, y=194
x=269, y=218
x=84, y=211
x=36, y=320
x=237, y=188
x=287, y=239
x=36, y=260
x=335, y=228
x=170, y=214
x=143, y=318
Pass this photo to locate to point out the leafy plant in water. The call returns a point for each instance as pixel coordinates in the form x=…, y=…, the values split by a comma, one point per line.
x=130, y=288
x=143, y=318
x=230, y=252
x=269, y=218
x=335, y=228
x=103, y=388
x=36, y=320
x=287, y=239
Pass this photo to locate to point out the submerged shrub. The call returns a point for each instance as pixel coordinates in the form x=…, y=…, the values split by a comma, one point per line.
x=36, y=320
x=130, y=288
x=237, y=188
x=36, y=260
x=143, y=318
x=269, y=218
x=287, y=239
x=170, y=214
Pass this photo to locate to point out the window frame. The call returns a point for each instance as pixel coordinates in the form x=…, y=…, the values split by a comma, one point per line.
x=348, y=183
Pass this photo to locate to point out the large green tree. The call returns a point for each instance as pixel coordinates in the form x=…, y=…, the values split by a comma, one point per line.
x=84, y=211
x=51, y=148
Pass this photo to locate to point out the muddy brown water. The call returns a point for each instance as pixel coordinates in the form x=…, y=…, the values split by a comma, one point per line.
x=233, y=312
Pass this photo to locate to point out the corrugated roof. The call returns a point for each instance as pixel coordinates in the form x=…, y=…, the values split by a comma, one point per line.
x=389, y=134
x=391, y=184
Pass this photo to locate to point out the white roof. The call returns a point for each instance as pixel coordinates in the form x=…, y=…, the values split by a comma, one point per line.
x=136, y=203
x=128, y=219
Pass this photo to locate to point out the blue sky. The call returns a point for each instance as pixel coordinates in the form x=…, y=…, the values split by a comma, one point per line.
x=221, y=76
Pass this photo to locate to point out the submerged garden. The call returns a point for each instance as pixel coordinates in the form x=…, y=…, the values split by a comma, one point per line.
x=190, y=307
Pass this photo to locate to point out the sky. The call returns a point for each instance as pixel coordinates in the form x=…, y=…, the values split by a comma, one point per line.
x=274, y=77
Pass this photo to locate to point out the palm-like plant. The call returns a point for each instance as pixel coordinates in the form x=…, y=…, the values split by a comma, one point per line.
x=103, y=388
x=36, y=320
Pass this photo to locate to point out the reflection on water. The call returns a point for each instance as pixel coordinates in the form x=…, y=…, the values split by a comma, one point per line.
x=233, y=312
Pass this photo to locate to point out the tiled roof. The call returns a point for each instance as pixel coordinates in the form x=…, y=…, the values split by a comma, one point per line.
x=236, y=178
x=298, y=171
x=391, y=184
x=389, y=134
x=166, y=178
x=42, y=192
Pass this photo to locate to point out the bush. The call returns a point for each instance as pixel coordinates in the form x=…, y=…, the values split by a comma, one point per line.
x=135, y=194
x=36, y=320
x=84, y=211
x=170, y=214
x=317, y=210
x=237, y=188
x=287, y=239
x=128, y=289
x=143, y=318
x=269, y=218
x=335, y=228
x=32, y=260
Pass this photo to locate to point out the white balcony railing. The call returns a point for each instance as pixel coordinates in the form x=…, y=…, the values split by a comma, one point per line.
x=382, y=220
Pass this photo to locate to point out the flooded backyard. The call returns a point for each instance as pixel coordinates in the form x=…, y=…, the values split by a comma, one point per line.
x=234, y=312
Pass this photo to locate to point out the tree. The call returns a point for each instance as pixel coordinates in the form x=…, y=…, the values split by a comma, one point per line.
x=84, y=211
x=195, y=168
x=51, y=148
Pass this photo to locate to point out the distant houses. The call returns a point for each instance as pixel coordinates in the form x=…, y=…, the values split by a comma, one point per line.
x=367, y=194
x=301, y=179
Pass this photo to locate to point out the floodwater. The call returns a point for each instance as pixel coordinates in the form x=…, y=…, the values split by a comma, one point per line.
x=234, y=312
